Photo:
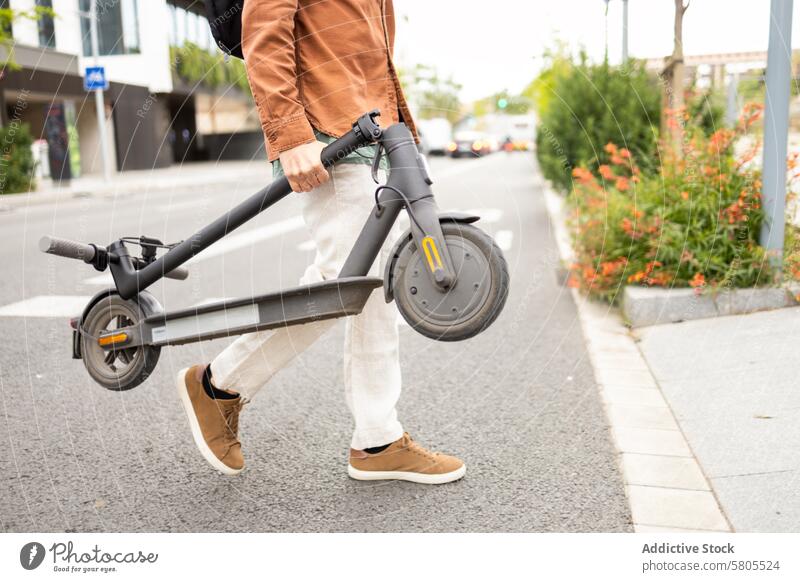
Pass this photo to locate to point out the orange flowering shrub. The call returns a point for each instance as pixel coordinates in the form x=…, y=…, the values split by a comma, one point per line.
x=693, y=223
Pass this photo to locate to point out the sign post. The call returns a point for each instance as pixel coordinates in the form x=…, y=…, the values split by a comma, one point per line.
x=776, y=128
x=95, y=80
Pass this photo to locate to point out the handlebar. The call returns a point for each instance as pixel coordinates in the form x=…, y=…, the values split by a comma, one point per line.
x=88, y=253
x=132, y=275
x=67, y=248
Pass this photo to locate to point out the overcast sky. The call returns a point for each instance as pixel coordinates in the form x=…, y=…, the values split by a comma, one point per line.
x=491, y=45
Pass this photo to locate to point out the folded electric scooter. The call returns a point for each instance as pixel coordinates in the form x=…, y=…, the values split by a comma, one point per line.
x=448, y=278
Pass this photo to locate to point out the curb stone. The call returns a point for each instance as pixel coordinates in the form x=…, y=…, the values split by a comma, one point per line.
x=643, y=306
x=666, y=488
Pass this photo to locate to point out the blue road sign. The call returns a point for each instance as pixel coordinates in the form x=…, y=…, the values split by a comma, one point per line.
x=95, y=78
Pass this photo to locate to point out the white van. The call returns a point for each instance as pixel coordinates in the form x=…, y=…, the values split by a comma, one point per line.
x=435, y=135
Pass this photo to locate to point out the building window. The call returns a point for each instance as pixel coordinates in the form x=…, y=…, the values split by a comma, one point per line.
x=117, y=27
x=173, y=26
x=47, y=29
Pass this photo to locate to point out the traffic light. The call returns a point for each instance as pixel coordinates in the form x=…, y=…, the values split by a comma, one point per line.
x=502, y=103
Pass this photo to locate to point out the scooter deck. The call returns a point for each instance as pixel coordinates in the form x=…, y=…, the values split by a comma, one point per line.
x=315, y=302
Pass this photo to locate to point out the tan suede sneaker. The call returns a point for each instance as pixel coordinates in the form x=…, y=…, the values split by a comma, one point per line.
x=405, y=460
x=214, y=422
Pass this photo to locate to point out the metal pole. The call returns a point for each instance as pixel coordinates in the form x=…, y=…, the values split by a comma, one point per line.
x=776, y=128
x=624, y=31
x=605, y=53
x=732, y=106
x=99, y=102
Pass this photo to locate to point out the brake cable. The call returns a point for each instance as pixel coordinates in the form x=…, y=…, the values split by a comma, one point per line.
x=406, y=202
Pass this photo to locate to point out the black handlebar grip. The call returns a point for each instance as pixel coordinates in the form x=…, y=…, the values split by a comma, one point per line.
x=351, y=141
x=67, y=248
x=340, y=149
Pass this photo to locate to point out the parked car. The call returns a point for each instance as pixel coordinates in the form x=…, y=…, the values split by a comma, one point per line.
x=471, y=143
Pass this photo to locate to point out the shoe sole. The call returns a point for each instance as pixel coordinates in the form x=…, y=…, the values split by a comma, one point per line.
x=424, y=478
x=194, y=425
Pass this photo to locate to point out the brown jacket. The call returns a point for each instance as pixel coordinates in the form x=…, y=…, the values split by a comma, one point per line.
x=320, y=64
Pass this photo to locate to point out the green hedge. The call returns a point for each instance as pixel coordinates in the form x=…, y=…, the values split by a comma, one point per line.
x=196, y=65
x=695, y=223
x=589, y=106
x=16, y=158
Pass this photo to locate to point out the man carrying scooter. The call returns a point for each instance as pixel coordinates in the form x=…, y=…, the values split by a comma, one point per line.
x=314, y=67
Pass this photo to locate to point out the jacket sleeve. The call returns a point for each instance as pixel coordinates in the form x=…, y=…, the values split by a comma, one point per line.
x=268, y=45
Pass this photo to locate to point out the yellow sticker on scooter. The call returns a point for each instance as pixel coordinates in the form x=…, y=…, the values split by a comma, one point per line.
x=431, y=253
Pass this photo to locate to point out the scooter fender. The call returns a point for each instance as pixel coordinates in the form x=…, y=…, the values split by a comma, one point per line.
x=444, y=217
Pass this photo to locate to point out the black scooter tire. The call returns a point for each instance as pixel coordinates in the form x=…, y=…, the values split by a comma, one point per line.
x=121, y=369
x=471, y=305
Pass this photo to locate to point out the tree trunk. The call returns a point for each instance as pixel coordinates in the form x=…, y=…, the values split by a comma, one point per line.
x=674, y=79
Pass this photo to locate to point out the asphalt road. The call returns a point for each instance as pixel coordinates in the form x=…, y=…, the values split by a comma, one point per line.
x=517, y=402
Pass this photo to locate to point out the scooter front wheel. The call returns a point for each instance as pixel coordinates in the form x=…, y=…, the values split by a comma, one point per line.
x=116, y=368
x=471, y=304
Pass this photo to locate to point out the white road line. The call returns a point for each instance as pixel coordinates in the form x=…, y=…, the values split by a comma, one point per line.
x=228, y=244
x=439, y=173
x=105, y=280
x=249, y=238
x=210, y=300
x=173, y=206
x=64, y=306
x=46, y=306
x=504, y=239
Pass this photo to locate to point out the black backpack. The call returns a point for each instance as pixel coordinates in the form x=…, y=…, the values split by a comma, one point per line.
x=225, y=19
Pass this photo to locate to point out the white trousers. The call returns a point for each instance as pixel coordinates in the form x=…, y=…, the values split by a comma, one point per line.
x=334, y=213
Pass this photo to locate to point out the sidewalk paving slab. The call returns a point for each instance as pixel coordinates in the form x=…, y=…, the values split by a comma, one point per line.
x=732, y=383
x=675, y=508
x=651, y=441
x=657, y=417
x=663, y=471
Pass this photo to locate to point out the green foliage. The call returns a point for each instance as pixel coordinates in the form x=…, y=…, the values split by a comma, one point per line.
x=694, y=223
x=7, y=18
x=195, y=65
x=586, y=106
x=557, y=65
x=435, y=96
x=752, y=88
x=16, y=158
x=707, y=109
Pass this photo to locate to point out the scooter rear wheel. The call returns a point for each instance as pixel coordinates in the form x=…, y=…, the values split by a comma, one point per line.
x=115, y=369
x=471, y=304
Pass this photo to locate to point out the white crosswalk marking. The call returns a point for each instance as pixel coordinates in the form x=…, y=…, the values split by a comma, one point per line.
x=504, y=239
x=210, y=300
x=64, y=306
x=46, y=306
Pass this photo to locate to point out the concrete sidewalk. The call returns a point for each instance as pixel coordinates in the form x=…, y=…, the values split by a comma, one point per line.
x=733, y=384
x=138, y=181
